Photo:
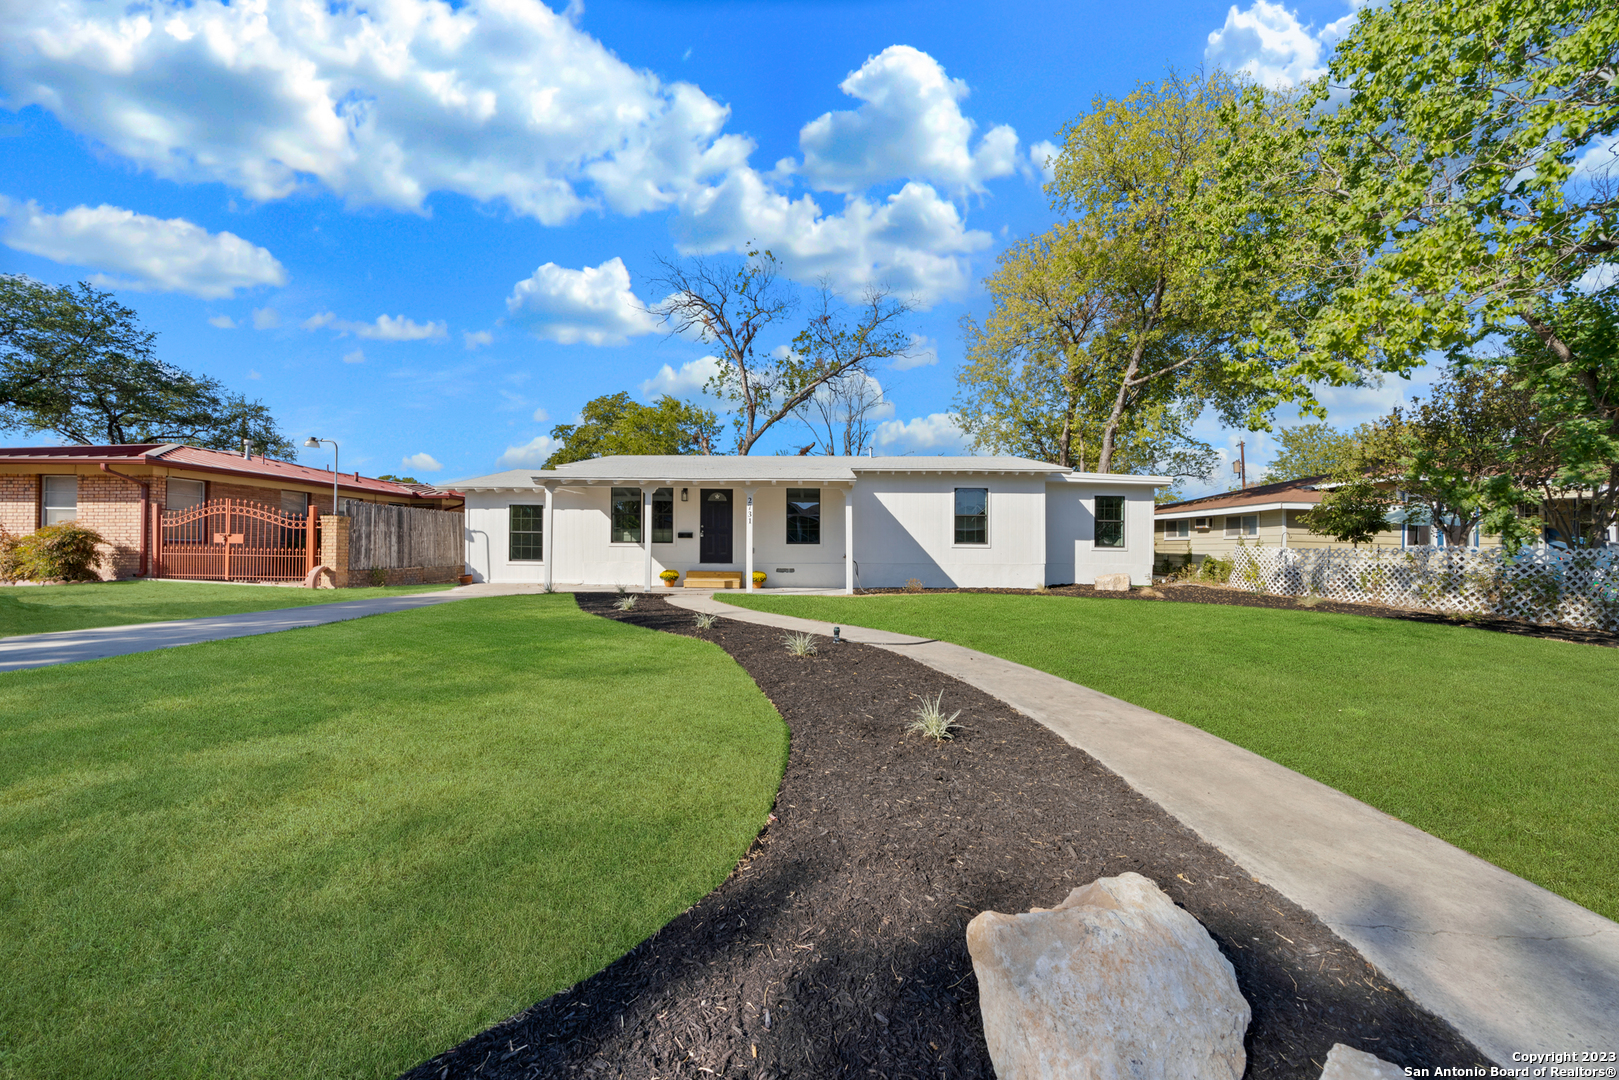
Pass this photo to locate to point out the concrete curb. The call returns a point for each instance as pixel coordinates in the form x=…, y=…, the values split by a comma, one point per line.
x=1516, y=968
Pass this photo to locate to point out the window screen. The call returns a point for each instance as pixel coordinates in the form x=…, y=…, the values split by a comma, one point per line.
x=1177, y=530
x=294, y=502
x=972, y=515
x=1110, y=521
x=184, y=494
x=61, y=499
x=663, y=516
x=626, y=512
x=803, y=515
x=527, y=533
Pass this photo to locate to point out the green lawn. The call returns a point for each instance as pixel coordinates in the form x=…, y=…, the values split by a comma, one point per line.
x=1505, y=746
x=40, y=609
x=334, y=852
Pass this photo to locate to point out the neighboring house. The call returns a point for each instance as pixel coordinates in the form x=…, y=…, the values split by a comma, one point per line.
x=120, y=491
x=818, y=522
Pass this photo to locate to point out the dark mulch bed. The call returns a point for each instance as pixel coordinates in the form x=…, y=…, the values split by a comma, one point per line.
x=837, y=946
x=1219, y=594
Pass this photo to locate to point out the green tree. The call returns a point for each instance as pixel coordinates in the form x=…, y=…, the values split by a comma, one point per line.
x=76, y=362
x=398, y=479
x=730, y=305
x=1354, y=509
x=1317, y=449
x=615, y=424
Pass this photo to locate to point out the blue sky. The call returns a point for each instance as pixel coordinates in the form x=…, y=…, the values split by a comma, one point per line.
x=424, y=230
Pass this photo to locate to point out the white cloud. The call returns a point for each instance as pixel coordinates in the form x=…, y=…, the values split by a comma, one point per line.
x=1268, y=42
x=386, y=328
x=165, y=256
x=690, y=379
x=923, y=352
x=266, y=318
x=914, y=242
x=223, y=322
x=1598, y=277
x=909, y=126
x=355, y=357
x=540, y=415
x=531, y=454
x=421, y=463
x=936, y=431
x=595, y=305
x=251, y=374
x=1043, y=160
x=476, y=339
x=380, y=103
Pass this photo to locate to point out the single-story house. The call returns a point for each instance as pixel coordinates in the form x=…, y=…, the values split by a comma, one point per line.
x=814, y=522
x=120, y=491
x=1272, y=515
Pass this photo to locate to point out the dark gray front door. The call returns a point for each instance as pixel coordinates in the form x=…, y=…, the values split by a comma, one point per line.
x=714, y=545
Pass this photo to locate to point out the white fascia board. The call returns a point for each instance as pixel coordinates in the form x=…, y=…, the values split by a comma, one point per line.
x=1121, y=479
x=1234, y=511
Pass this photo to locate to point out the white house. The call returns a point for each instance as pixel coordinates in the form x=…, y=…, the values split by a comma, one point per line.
x=810, y=522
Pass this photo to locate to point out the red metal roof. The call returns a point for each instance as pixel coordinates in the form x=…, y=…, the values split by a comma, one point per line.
x=218, y=461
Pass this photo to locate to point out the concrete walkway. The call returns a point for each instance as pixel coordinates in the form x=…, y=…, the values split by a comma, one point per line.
x=1515, y=968
x=69, y=646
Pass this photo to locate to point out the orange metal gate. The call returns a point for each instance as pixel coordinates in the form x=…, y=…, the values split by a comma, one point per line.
x=235, y=540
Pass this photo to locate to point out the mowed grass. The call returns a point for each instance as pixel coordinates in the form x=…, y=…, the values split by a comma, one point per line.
x=40, y=609
x=334, y=852
x=1505, y=746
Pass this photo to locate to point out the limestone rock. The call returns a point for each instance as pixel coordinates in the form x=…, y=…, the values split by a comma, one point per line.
x=1347, y=1063
x=1115, y=983
x=1112, y=582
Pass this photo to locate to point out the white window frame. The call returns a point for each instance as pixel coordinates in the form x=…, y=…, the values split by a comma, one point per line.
x=168, y=491
x=1203, y=524
x=1178, y=530
x=47, y=509
x=1240, y=530
x=989, y=499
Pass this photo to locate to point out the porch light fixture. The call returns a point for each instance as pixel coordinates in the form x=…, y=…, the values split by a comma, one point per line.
x=682, y=494
x=314, y=443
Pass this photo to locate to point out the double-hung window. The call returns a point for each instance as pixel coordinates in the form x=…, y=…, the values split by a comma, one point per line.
x=526, y=533
x=803, y=515
x=626, y=515
x=60, y=501
x=663, y=516
x=1110, y=521
x=972, y=515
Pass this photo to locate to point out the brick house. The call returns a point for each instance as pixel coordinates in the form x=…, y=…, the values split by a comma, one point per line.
x=119, y=491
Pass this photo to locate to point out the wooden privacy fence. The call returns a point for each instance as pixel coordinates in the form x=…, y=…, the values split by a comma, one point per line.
x=1576, y=587
x=393, y=537
x=234, y=540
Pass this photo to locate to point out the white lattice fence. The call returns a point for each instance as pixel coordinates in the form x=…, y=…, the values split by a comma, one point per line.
x=1569, y=588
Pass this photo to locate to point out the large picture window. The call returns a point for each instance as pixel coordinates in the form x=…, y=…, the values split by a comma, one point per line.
x=1110, y=521
x=626, y=513
x=803, y=515
x=972, y=515
x=526, y=531
x=663, y=516
x=61, y=499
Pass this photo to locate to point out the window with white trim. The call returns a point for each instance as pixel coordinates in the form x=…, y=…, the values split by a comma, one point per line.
x=1241, y=525
x=59, y=501
x=803, y=515
x=1177, y=530
x=625, y=510
x=972, y=515
x=525, y=533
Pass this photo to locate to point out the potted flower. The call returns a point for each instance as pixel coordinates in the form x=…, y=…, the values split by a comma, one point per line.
x=669, y=578
x=758, y=579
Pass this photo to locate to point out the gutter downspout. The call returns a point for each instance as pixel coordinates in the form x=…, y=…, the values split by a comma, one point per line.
x=146, y=503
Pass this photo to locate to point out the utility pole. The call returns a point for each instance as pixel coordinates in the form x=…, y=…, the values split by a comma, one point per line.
x=1240, y=466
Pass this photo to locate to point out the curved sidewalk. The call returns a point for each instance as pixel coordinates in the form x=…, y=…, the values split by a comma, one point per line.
x=1515, y=968
x=70, y=646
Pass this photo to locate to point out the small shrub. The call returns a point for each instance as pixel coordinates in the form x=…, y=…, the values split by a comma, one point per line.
x=1042, y=589
x=801, y=643
x=913, y=585
x=931, y=720
x=9, y=568
x=1308, y=601
x=65, y=552
x=379, y=576
x=705, y=620
x=623, y=589
x=1213, y=569
x=625, y=603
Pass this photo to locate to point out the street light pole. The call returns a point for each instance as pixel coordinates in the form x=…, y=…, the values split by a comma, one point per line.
x=315, y=443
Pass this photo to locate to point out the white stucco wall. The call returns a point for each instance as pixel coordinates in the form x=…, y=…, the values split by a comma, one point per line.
x=905, y=528
x=1072, y=555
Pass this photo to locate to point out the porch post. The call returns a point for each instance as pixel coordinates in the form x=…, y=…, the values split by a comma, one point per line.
x=747, y=573
x=848, y=540
x=646, y=533
x=548, y=537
